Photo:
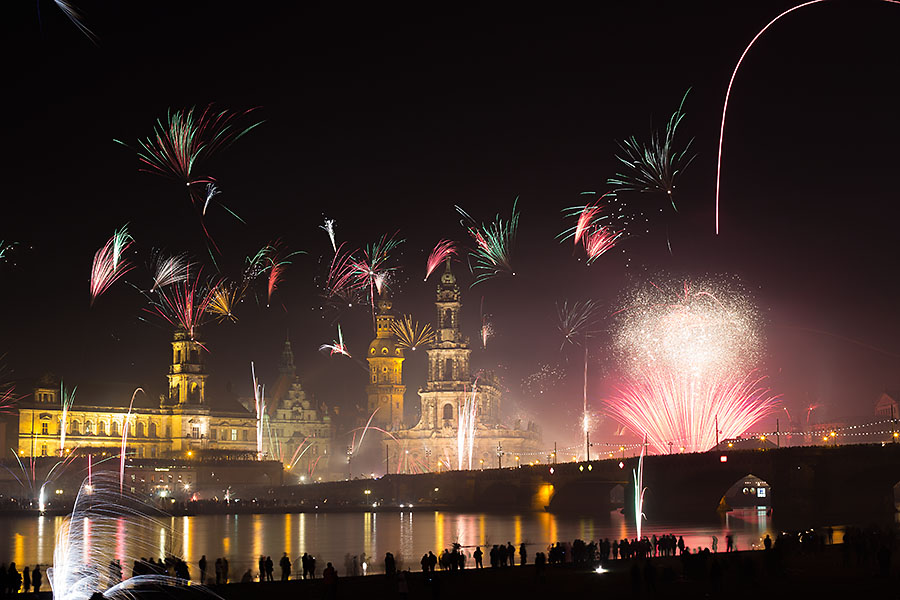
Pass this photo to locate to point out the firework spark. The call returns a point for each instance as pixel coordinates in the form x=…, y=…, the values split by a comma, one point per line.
x=442, y=252
x=66, y=399
x=342, y=281
x=689, y=356
x=223, y=299
x=545, y=379
x=277, y=263
x=259, y=397
x=211, y=192
x=169, y=269
x=5, y=248
x=465, y=433
x=410, y=334
x=109, y=264
x=336, y=346
x=329, y=229
x=492, y=253
x=487, y=328
x=371, y=270
x=654, y=167
x=577, y=321
x=639, y=491
x=599, y=241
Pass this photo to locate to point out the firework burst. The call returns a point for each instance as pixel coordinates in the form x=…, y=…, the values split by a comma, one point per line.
x=492, y=252
x=109, y=264
x=410, y=334
x=75, y=17
x=328, y=227
x=183, y=305
x=372, y=270
x=336, y=346
x=577, y=321
x=223, y=300
x=442, y=252
x=169, y=269
x=689, y=355
x=654, y=167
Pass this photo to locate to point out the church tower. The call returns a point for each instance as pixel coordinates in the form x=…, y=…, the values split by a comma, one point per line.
x=187, y=373
x=385, y=390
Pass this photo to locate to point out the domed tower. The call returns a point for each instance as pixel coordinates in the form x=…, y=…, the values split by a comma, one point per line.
x=385, y=389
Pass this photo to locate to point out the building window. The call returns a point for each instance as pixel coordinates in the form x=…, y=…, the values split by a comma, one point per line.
x=153, y=430
x=244, y=435
x=195, y=432
x=212, y=434
x=114, y=429
x=140, y=430
x=101, y=428
x=43, y=449
x=88, y=428
x=75, y=425
x=140, y=451
x=45, y=428
x=153, y=452
x=448, y=412
x=234, y=435
x=448, y=368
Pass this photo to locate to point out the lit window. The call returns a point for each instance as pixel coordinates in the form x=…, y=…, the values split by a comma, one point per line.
x=234, y=435
x=45, y=430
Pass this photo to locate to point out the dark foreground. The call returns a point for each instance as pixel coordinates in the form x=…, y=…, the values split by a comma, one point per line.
x=832, y=572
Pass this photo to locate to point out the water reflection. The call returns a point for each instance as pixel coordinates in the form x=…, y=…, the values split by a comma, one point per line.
x=408, y=535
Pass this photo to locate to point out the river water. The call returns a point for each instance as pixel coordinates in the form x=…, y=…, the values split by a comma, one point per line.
x=329, y=536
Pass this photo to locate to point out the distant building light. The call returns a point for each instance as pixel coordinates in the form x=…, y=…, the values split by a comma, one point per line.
x=723, y=458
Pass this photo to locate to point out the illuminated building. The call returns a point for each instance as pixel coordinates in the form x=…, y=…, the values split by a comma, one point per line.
x=182, y=421
x=385, y=390
x=432, y=444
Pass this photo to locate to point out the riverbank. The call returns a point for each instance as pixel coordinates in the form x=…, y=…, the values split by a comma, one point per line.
x=749, y=574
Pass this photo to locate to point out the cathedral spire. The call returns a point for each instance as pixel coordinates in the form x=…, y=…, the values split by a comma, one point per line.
x=286, y=366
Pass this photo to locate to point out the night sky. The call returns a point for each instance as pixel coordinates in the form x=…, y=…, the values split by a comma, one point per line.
x=384, y=127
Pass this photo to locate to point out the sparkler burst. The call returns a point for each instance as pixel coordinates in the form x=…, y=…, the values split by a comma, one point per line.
x=223, y=299
x=410, y=334
x=594, y=227
x=109, y=264
x=654, y=167
x=183, y=305
x=442, y=252
x=492, y=252
x=372, y=270
x=689, y=356
x=329, y=229
x=336, y=346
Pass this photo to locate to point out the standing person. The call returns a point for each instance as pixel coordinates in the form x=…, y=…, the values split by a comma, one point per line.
x=304, y=561
x=511, y=553
x=270, y=568
x=523, y=554
x=26, y=579
x=202, y=565
x=218, y=571
x=729, y=543
x=312, y=566
x=13, y=579
x=329, y=576
x=680, y=545
x=262, y=568
x=224, y=569
x=715, y=544
x=37, y=579
x=477, y=555
x=285, y=564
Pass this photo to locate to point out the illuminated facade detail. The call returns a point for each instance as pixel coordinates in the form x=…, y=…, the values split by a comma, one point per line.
x=181, y=421
x=385, y=390
x=432, y=444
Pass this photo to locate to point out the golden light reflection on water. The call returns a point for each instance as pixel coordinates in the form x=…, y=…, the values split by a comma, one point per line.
x=517, y=529
x=288, y=531
x=438, y=530
x=549, y=530
x=257, y=521
x=370, y=530
x=19, y=549
x=186, y=550
x=162, y=542
x=406, y=537
x=481, y=539
x=42, y=520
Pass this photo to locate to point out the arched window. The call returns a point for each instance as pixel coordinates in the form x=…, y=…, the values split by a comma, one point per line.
x=153, y=430
x=88, y=428
x=140, y=430
x=114, y=429
x=75, y=427
x=448, y=412
x=101, y=428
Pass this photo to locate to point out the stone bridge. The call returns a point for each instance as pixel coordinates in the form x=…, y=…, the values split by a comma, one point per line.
x=807, y=484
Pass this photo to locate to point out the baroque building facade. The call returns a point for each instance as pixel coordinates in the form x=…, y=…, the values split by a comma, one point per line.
x=181, y=423
x=435, y=442
x=385, y=389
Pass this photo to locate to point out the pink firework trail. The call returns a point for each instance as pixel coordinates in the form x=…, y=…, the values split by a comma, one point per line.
x=123, y=452
x=109, y=263
x=342, y=280
x=731, y=83
x=337, y=346
x=599, y=241
x=443, y=251
x=184, y=305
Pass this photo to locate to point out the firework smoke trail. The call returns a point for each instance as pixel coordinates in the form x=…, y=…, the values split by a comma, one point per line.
x=184, y=305
x=75, y=17
x=731, y=83
x=337, y=346
x=689, y=357
x=66, y=399
x=442, y=252
x=410, y=334
x=653, y=167
x=577, y=323
x=329, y=229
x=109, y=265
x=124, y=450
x=465, y=432
x=169, y=269
x=492, y=253
x=639, y=490
x=259, y=396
